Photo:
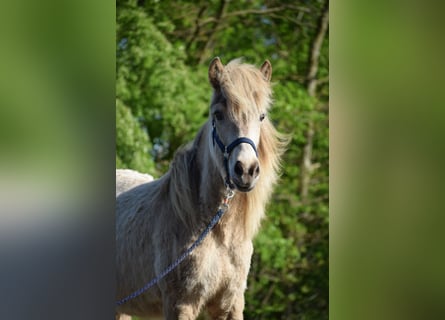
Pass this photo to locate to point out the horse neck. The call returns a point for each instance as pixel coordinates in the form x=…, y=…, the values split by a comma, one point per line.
x=212, y=187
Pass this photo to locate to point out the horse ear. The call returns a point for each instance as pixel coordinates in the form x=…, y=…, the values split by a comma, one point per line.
x=215, y=70
x=266, y=70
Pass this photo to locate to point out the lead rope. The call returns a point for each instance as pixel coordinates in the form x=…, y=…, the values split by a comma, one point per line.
x=221, y=210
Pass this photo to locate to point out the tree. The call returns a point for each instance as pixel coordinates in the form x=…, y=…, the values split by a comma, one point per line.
x=165, y=98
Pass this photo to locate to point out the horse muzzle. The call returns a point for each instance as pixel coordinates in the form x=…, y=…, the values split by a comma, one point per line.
x=245, y=176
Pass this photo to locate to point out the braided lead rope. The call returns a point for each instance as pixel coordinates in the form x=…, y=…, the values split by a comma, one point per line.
x=221, y=210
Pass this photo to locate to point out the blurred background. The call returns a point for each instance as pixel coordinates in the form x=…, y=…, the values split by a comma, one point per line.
x=163, y=49
x=56, y=133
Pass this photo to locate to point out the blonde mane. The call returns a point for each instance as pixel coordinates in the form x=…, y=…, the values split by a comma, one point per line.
x=272, y=145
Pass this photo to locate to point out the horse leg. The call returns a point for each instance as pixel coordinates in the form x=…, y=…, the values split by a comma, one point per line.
x=180, y=310
x=236, y=312
x=227, y=306
x=122, y=317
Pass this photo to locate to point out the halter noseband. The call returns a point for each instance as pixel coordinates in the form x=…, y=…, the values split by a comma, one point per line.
x=227, y=150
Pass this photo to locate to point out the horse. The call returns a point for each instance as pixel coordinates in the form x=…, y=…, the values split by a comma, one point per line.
x=237, y=151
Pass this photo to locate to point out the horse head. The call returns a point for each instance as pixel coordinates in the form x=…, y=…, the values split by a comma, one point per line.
x=239, y=105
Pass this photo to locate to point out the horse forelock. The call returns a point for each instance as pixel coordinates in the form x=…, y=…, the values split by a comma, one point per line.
x=245, y=89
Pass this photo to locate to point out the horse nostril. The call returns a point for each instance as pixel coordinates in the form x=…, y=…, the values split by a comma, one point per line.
x=254, y=170
x=239, y=170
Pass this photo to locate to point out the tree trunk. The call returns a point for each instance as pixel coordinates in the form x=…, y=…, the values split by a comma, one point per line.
x=218, y=18
x=306, y=163
x=197, y=27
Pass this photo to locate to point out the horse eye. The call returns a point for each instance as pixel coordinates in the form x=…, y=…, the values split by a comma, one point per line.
x=262, y=116
x=218, y=115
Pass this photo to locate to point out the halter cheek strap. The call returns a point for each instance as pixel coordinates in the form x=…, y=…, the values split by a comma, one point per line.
x=227, y=150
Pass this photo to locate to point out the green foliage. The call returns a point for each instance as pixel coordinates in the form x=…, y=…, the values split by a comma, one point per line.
x=132, y=143
x=289, y=272
x=163, y=50
x=167, y=98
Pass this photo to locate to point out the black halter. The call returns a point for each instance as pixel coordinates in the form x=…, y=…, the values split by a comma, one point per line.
x=227, y=150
